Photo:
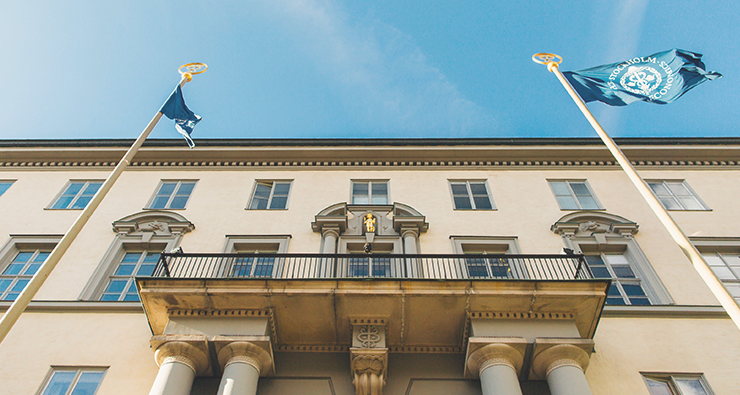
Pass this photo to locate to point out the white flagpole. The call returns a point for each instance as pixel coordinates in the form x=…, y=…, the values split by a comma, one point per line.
x=701, y=266
x=22, y=301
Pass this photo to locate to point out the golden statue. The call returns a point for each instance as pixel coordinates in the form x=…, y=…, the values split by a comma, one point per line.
x=369, y=222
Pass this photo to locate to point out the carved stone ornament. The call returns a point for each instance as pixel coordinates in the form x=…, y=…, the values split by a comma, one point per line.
x=591, y=224
x=368, y=370
x=369, y=336
x=245, y=352
x=184, y=353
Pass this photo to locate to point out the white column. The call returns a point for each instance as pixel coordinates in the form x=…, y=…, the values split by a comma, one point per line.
x=178, y=362
x=410, y=237
x=326, y=266
x=497, y=365
x=563, y=365
x=242, y=362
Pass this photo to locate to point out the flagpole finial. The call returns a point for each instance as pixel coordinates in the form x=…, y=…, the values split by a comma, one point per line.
x=549, y=59
x=188, y=70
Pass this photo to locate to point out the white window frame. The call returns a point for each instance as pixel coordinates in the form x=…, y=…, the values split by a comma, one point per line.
x=573, y=194
x=380, y=242
x=271, y=183
x=618, y=283
x=274, y=244
x=470, y=195
x=479, y=246
x=171, y=196
x=671, y=380
x=78, y=195
x=79, y=370
x=128, y=278
x=23, y=243
x=675, y=198
x=9, y=183
x=370, y=191
x=722, y=247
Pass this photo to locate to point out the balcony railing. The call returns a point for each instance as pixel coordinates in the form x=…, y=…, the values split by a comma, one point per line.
x=392, y=266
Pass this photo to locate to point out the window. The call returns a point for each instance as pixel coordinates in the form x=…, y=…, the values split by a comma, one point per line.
x=255, y=266
x=574, y=195
x=134, y=252
x=172, y=195
x=76, y=195
x=677, y=384
x=370, y=192
x=676, y=195
x=270, y=195
x=471, y=195
x=4, y=185
x=20, y=259
x=723, y=257
x=71, y=381
x=121, y=286
x=374, y=265
x=626, y=288
x=612, y=252
x=481, y=266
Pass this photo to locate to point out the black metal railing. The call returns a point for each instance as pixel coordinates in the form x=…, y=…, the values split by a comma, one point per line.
x=396, y=266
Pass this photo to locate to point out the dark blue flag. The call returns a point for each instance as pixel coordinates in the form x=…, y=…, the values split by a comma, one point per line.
x=185, y=120
x=659, y=78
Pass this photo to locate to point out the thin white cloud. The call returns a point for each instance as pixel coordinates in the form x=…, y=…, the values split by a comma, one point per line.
x=380, y=73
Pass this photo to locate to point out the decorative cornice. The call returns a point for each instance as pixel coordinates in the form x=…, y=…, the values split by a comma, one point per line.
x=269, y=314
x=311, y=348
x=522, y=315
x=362, y=164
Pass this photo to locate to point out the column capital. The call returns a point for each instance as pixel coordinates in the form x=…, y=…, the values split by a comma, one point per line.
x=248, y=353
x=369, y=368
x=330, y=231
x=550, y=354
x=409, y=231
x=484, y=352
x=189, y=353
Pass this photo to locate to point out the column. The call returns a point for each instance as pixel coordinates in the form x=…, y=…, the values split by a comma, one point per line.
x=178, y=362
x=242, y=364
x=326, y=265
x=498, y=367
x=410, y=236
x=563, y=365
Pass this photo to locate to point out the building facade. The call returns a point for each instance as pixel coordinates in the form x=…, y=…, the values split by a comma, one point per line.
x=470, y=266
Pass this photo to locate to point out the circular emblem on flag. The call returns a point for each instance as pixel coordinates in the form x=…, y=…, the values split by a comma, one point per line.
x=641, y=80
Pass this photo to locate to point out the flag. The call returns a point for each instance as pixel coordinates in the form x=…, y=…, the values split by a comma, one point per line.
x=659, y=78
x=185, y=120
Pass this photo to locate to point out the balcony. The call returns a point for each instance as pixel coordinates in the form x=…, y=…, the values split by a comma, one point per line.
x=362, y=266
x=424, y=301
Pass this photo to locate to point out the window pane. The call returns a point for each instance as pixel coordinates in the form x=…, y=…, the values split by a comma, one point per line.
x=690, y=203
x=359, y=188
x=179, y=202
x=87, y=383
x=258, y=203
x=560, y=188
x=4, y=284
x=380, y=188
x=167, y=188
x=59, y=383
x=131, y=257
x=14, y=268
x=145, y=270
x=4, y=185
x=690, y=386
x=93, y=187
x=32, y=269
x=482, y=203
x=82, y=202
x=658, y=387
x=160, y=202
x=278, y=202
x=670, y=203
x=723, y=272
x=623, y=271
x=659, y=188
x=185, y=188
x=151, y=257
x=282, y=188
x=678, y=189
x=63, y=202
x=463, y=203
x=580, y=188
x=633, y=290
x=116, y=286
x=380, y=199
x=478, y=188
x=360, y=199
x=262, y=190
x=74, y=188
x=459, y=189
x=588, y=203
x=567, y=202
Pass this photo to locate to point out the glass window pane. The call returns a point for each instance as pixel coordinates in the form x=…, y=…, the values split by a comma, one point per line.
x=482, y=203
x=131, y=298
x=359, y=188
x=580, y=188
x=690, y=203
x=145, y=270
x=151, y=257
x=459, y=189
x=4, y=284
x=380, y=199
x=258, y=203
x=130, y=257
x=59, y=383
x=167, y=188
x=678, y=189
x=567, y=202
x=81, y=202
x=278, y=202
x=478, y=188
x=110, y=297
x=282, y=188
x=92, y=188
x=633, y=290
x=659, y=188
x=600, y=272
x=724, y=273
x=560, y=188
x=23, y=257
x=19, y=285
x=462, y=203
x=41, y=256
x=262, y=190
x=588, y=203
x=14, y=268
x=380, y=188
x=63, y=202
x=4, y=185
x=125, y=270
x=87, y=383
x=185, y=188
x=640, y=301
x=116, y=286
x=160, y=202
x=178, y=202
x=623, y=271
x=74, y=188
x=658, y=387
x=615, y=301
x=690, y=386
x=360, y=199
x=617, y=259
x=32, y=269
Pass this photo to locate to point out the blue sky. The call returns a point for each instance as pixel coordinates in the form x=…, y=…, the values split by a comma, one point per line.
x=361, y=69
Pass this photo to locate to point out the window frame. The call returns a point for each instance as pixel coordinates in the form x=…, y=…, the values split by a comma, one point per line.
x=671, y=378
x=721, y=246
x=232, y=246
x=573, y=194
x=369, y=183
x=171, y=196
x=470, y=194
x=9, y=183
x=673, y=196
x=79, y=370
x=76, y=197
x=500, y=245
x=130, y=282
x=619, y=283
x=272, y=194
x=20, y=243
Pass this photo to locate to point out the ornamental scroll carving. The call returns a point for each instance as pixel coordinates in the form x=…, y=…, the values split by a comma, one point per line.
x=368, y=369
x=369, y=336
